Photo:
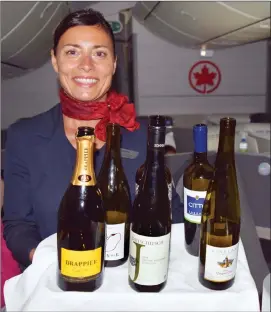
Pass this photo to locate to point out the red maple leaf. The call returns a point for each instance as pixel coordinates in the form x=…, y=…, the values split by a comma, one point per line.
x=204, y=77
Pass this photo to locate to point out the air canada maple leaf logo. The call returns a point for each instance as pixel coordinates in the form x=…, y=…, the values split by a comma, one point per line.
x=204, y=77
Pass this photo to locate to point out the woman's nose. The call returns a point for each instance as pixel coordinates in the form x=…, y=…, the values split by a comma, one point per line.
x=86, y=63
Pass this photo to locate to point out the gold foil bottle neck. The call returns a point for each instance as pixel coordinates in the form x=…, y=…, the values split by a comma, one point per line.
x=84, y=174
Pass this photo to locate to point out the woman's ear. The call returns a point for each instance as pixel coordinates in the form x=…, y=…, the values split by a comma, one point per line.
x=54, y=61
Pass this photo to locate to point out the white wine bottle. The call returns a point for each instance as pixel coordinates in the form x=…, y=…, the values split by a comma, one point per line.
x=117, y=200
x=151, y=222
x=81, y=223
x=195, y=181
x=220, y=223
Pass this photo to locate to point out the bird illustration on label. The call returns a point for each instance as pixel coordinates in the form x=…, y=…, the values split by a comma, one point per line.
x=112, y=241
x=136, y=261
x=225, y=263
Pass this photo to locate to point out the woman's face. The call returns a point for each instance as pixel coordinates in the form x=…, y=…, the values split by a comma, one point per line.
x=85, y=62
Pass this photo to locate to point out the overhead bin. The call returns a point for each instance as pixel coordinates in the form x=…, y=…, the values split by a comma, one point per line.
x=206, y=24
x=26, y=34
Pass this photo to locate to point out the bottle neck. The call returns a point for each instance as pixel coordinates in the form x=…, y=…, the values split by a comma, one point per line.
x=84, y=174
x=200, y=157
x=200, y=143
x=156, y=148
x=112, y=152
x=154, y=184
x=155, y=174
x=226, y=145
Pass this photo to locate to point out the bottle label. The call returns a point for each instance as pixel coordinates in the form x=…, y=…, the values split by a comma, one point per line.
x=81, y=264
x=114, y=241
x=193, y=204
x=220, y=263
x=148, y=259
x=243, y=146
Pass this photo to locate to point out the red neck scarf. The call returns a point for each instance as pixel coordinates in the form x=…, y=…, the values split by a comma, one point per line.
x=115, y=109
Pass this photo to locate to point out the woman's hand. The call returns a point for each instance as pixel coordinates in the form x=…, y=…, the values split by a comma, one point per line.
x=31, y=254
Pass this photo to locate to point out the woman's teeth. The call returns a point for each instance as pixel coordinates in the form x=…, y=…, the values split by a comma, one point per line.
x=86, y=80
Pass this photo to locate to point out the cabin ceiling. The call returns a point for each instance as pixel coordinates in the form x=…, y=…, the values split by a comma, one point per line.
x=214, y=25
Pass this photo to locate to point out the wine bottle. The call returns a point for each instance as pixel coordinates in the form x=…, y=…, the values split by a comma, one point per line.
x=151, y=223
x=220, y=225
x=196, y=179
x=243, y=144
x=117, y=200
x=154, y=120
x=81, y=223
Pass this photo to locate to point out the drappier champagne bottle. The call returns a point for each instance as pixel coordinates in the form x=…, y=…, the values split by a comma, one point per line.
x=220, y=225
x=195, y=181
x=151, y=222
x=117, y=201
x=155, y=120
x=81, y=223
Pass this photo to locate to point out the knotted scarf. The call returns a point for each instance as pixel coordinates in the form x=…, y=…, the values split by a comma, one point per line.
x=115, y=109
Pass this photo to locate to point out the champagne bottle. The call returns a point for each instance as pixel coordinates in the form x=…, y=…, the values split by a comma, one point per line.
x=151, y=223
x=195, y=181
x=81, y=223
x=154, y=120
x=220, y=225
x=117, y=201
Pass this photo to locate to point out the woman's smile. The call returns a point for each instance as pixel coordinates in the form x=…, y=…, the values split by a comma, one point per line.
x=85, y=81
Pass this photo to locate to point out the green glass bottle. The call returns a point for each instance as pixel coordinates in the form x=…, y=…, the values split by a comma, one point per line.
x=117, y=201
x=220, y=224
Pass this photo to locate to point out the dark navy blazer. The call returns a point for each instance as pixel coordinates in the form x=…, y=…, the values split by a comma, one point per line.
x=39, y=162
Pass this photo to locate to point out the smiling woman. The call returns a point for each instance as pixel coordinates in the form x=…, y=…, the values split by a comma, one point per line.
x=85, y=63
x=41, y=150
x=84, y=58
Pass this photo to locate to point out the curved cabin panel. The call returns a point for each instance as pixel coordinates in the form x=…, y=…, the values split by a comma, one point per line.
x=26, y=30
x=212, y=24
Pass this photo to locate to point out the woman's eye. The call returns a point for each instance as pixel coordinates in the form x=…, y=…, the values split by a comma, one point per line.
x=101, y=54
x=71, y=52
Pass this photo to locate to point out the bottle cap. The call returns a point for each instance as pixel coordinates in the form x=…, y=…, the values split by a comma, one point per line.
x=169, y=122
x=112, y=128
x=200, y=138
x=157, y=121
x=227, y=125
x=84, y=131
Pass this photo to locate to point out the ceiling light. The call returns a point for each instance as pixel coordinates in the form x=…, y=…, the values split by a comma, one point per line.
x=266, y=26
x=202, y=52
x=206, y=53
